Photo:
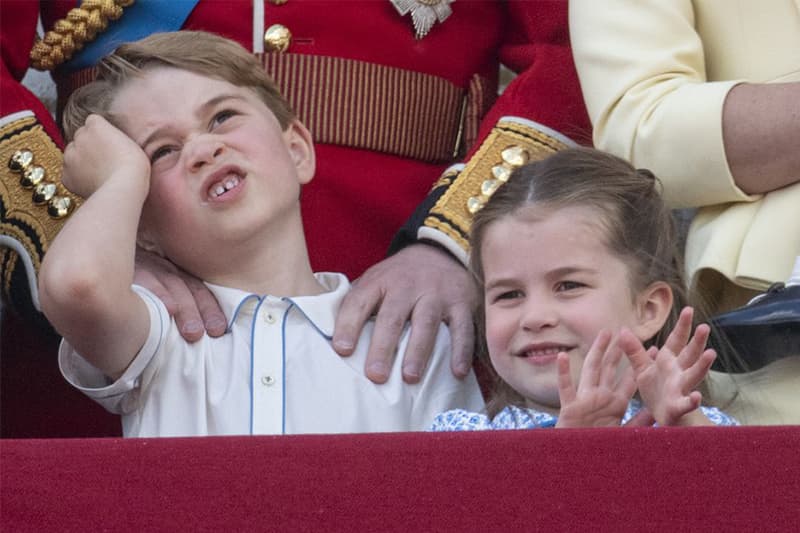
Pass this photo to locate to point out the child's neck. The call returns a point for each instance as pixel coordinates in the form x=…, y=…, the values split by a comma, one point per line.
x=277, y=265
x=281, y=277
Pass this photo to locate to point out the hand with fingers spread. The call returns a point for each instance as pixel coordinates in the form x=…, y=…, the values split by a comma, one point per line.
x=667, y=378
x=422, y=284
x=602, y=393
x=186, y=298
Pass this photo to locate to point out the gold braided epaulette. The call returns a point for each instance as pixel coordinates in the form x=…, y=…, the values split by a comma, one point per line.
x=70, y=34
x=512, y=143
x=34, y=204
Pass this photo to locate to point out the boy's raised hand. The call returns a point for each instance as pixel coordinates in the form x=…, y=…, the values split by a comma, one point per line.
x=667, y=377
x=99, y=151
x=602, y=394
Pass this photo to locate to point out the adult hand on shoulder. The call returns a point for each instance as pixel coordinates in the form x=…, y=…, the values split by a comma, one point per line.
x=186, y=298
x=422, y=284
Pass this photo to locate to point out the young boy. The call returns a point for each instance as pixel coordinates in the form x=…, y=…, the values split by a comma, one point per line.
x=203, y=164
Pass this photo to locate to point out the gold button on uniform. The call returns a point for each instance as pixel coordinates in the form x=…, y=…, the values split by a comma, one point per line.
x=277, y=38
x=277, y=2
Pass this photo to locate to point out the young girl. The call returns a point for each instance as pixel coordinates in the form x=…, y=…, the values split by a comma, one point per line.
x=576, y=259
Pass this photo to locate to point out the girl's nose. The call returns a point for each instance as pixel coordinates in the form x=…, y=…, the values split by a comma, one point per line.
x=538, y=313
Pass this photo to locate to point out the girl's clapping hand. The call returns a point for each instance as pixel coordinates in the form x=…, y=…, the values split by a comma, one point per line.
x=603, y=390
x=667, y=378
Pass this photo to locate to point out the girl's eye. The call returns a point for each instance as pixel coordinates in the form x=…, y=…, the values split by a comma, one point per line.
x=507, y=295
x=160, y=152
x=568, y=286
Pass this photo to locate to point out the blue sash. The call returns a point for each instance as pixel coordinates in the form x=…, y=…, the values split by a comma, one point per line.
x=139, y=20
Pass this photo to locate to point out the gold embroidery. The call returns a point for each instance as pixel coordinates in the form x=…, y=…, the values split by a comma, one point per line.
x=70, y=34
x=447, y=229
x=33, y=226
x=445, y=179
x=508, y=145
x=8, y=261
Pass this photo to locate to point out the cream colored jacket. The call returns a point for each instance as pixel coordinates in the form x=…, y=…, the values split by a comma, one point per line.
x=655, y=74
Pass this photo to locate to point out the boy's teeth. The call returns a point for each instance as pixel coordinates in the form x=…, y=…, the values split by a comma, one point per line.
x=223, y=186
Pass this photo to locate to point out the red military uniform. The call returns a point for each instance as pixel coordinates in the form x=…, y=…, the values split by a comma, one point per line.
x=389, y=111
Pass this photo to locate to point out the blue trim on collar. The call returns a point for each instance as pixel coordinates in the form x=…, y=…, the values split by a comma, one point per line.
x=283, y=366
x=239, y=308
x=310, y=321
x=139, y=20
x=261, y=300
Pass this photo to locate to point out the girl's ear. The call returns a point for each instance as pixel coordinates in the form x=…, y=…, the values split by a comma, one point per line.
x=653, y=305
x=301, y=149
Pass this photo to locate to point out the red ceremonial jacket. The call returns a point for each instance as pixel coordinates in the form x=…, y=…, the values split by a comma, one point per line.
x=390, y=112
x=360, y=197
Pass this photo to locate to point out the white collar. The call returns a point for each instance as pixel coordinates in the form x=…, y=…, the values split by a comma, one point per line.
x=318, y=309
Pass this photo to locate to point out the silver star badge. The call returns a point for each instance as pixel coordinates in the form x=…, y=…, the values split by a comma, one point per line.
x=424, y=13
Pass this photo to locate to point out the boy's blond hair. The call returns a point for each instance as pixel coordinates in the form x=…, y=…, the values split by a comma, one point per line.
x=194, y=51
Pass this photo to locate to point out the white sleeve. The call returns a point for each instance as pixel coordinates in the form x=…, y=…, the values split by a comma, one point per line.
x=118, y=396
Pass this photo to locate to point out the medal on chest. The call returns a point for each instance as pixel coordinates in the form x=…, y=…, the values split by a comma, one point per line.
x=424, y=13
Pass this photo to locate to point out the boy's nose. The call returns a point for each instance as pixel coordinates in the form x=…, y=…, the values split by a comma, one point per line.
x=204, y=151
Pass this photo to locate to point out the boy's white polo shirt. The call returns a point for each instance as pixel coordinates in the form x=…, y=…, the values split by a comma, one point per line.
x=274, y=372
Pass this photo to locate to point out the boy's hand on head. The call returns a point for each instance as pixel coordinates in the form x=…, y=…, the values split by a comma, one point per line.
x=421, y=284
x=602, y=394
x=186, y=298
x=98, y=152
x=667, y=377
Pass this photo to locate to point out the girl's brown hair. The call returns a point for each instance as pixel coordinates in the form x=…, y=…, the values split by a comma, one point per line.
x=194, y=51
x=639, y=228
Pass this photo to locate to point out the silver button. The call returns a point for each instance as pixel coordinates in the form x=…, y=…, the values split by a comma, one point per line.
x=269, y=318
x=267, y=381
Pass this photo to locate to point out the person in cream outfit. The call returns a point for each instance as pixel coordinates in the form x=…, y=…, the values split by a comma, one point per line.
x=706, y=94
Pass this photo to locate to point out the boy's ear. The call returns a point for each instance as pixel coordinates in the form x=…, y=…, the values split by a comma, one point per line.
x=301, y=149
x=653, y=305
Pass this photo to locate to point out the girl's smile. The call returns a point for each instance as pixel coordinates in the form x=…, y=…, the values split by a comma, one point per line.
x=543, y=353
x=551, y=285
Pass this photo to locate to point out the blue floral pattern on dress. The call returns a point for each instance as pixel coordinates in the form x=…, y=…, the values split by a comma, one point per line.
x=513, y=417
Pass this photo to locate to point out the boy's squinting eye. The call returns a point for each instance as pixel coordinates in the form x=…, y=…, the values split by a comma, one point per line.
x=222, y=116
x=160, y=152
